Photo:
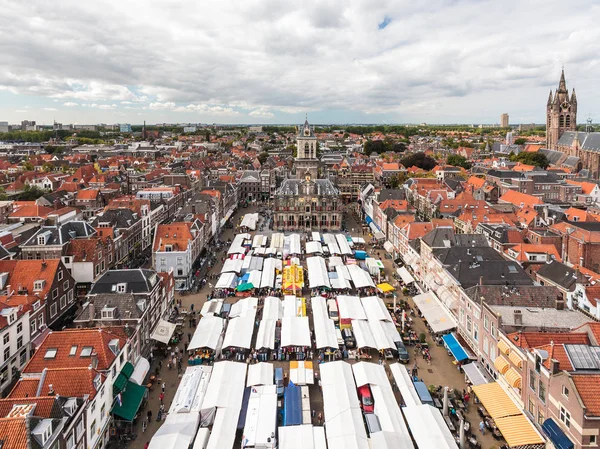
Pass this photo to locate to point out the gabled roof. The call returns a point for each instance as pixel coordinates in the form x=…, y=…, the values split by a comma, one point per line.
x=587, y=387
x=522, y=249
x=24, y=273
x=45, y=406
x=138, y=280
x=73, y=341
x=14, y=433
x=177, y=235
x=520, y=199
x=87, y=194
x=71, y=382
x=528, y=340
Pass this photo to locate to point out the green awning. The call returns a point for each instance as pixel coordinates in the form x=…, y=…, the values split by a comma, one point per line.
x=245, y=287
x=131, y=399
x=127, y=370
x=119, y=384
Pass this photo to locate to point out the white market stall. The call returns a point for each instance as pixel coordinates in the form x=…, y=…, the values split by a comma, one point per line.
x=212, y=307
x=268, y=273
x=315, y=236
x=314, y=248
x=244, y=307
x=403, y=382
x=317, y=272
x=362, y=333
x=360, y=278
x=249, y=221
x=227, y=281
x=302, y=437
x=260, y=374
x=437, y=317
x=375, y=308
x=324, y=326
x=163, y=331
x=277, y=241
x=295, y=331
x=343, y=245
x=232, y=266
x=295, y=246
x=343, y=416
x=428, y=427
x=301, y=372
x=334, y=262
x=207, y=334
x=261, y=418
x=331, y=242
x=239, y=332
x=237, y=246
x=259, y=240
x=350, y=308
x=265, y=338
x=405, y=275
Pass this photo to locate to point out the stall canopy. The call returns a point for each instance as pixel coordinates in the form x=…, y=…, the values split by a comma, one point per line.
x=176, y=432
x=295, y=331
x=239, y=332
x=207, y=333
x=302, y=437
x=292, y=409
x=293, y=279
x=375, y=308
x=556, y=435
x=434, y=312
x=301, y=372
x=324, y=326
x=244, y=307
x=260, y=374
x=277, y=240
x=141, y=369
x=474, y=375
x=360, y=278
x=237, y=246
x=343, y=416
x=385, y=287
x=268, y=274
x=339, y=282
x=272, y=308
x=213, y=307
x=455, y=347
x=232, y=266
x=313, y=247
x=317, y=272
x=227, y=280
x=295, y=247
x=331, y=242
x=362, y=333
x=516, y=429
x=293, y=306
x=383, y=338
x=259, y=240
x=121, y=381
x=249, y=221
x=409, y=394
x=428, y=427
x=350, y=307
x=343, y=244
x=388, y=247
x=265, y=338
x=335, y=261
x=129, y=400
x=405, y=275
x=163, y=331
x=315, y=236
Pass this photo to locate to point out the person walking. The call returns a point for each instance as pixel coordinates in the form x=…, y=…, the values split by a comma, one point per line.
x=320, y=418
x=482, y=427
x=149, y=414
x=163, y=387
x=161, y=397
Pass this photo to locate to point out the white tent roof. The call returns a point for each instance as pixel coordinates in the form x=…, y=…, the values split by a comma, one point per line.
x=176, y=432
x=350, y=307
x=387, y=440
x=343, y=417
x=302, y=437
x=386, y=407
x=191, y=390
x=428, y=427
x=343, y=244
x=360, y=277
x=363, y=334
x=239, y=332
x=295, y=331
x=339, y=282
x=272, y=308
x=163, y=331
x=383, y=340
x=142, y=367
x=295, y=247
x=214, y=306
x=207, y=333
x=437, y=317
x=244, y=307
x=323, y=325
x=375, y=308
x=277, y=240
x=342, y=271
x=358, y=240
x=261, y=417
x=391, y=330
x=303, y=373
x=260, y=374
x=335, y=261
x=227, y=280
x=317, y=272
x=255, y=277
x=316, y=236
x=313, y=247
x=265, y=338
x=237, y=246
x=331, y=243
x=268, y=273
x=259, y=240
x=225, y=392
x=233, y=266
x=292, y=306
x=405, y=385
x=249, y=221
x=405, y=275
x=251, y=263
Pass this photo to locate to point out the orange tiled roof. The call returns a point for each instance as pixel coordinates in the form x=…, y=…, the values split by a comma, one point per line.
x=14, y=432
x=24, y=273
x=586, y=187
x=26, y=386
x=520, y=199
x=557, y=352
x=571, y=213
x=524, y=248
x=88, y=194
x=43, y=405
x=64, y=341
x=176, y=234
x=31, y=211
x=528, y=340
x=587, y=387
x=71, y=382
x=476, y=182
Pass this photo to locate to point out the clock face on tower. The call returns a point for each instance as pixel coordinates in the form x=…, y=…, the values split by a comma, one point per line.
x=565, y=105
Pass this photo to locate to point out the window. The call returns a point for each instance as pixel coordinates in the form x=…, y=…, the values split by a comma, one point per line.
x=70, y=295
x=23, y=356
x=93, y=425
x=542, y=392
x=593, y=440
x=33, y=325
x=6, y=354
x=532, y=380
x=6, y=338
x=63, y=301
x=60, y=275
x=565, y=417
x=73, y=351
x=86, y=351
x=102, y=409
x=97, y=270
x=53, y=311
x=486, y=322
x=565, y=391
x=67, y=260
x=168, y=248
x=179, y=272
x=66, y=285
x=80, y=428
x=55, y=293
x=71, y=441
x=540, y=417
x=469, y=324
x=121, y=288
x=180, y=260
x=475, y=333
x=531, y=407
x=163, y=261
x=19, y=328
x=19, y=342
x=50, y=353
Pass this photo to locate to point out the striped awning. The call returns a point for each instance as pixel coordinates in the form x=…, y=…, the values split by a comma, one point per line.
x=503, y=347
x=501, y=364
x=515, y=359
x=513, y=378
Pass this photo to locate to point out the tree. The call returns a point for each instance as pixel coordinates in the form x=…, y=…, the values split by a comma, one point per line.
x=30, y=193
x=535, y=159
x=396, y=180
x=457, y=160
x=28, y=166
x=262, y=157
x=419, y=159
x=520, y=141
x=374, y=146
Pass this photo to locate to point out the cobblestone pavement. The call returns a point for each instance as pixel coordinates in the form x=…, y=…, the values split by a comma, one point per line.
x=441, y=371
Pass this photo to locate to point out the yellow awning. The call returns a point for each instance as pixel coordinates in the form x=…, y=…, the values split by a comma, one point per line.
x=495, y=400
x=385, y=287
x=513, y=378
x=515, y=359
x=503, y=347
x=501, y=364
x=518, y=431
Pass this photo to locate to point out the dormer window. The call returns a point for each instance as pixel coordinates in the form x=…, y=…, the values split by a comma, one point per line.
x=39, y=285
x=73, y=351
x=108, y=313
x=86, y=351
x=168, y=248
x=51, y=353
x=119, y=288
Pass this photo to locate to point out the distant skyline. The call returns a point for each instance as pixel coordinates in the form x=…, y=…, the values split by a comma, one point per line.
x=268, y=61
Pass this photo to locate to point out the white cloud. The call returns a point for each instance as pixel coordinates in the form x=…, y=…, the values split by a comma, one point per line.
x=50, y=109
x=436, y=61
x=70, y=104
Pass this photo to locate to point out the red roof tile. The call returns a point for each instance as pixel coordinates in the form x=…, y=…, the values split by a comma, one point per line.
x=537, y=339
x=14, y=433
x=587, y=387
x=43, y=405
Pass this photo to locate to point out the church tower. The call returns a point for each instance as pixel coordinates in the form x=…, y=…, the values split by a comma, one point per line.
x=561, y=113
x=306, y=162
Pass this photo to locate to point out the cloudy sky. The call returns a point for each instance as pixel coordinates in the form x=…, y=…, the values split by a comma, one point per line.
x=273, y=61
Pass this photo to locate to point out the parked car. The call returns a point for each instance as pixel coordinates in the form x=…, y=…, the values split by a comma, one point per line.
x=403, y=356
x=366, y=399
x=333, y=310
x=278, y=379
x=349, y=339
x=373, y=424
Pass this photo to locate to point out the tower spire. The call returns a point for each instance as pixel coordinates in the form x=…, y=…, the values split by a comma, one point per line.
x=550, y=98
x=562, y=85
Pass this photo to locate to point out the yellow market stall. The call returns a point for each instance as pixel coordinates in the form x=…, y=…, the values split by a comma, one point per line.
x=514, y=426
x=293, y=280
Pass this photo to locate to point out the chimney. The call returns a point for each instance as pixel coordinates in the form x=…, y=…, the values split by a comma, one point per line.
x=554, y=366
x=51, y=390
x=480, y=280
x=94, y=358
x=518, y=317
x=92, y=310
